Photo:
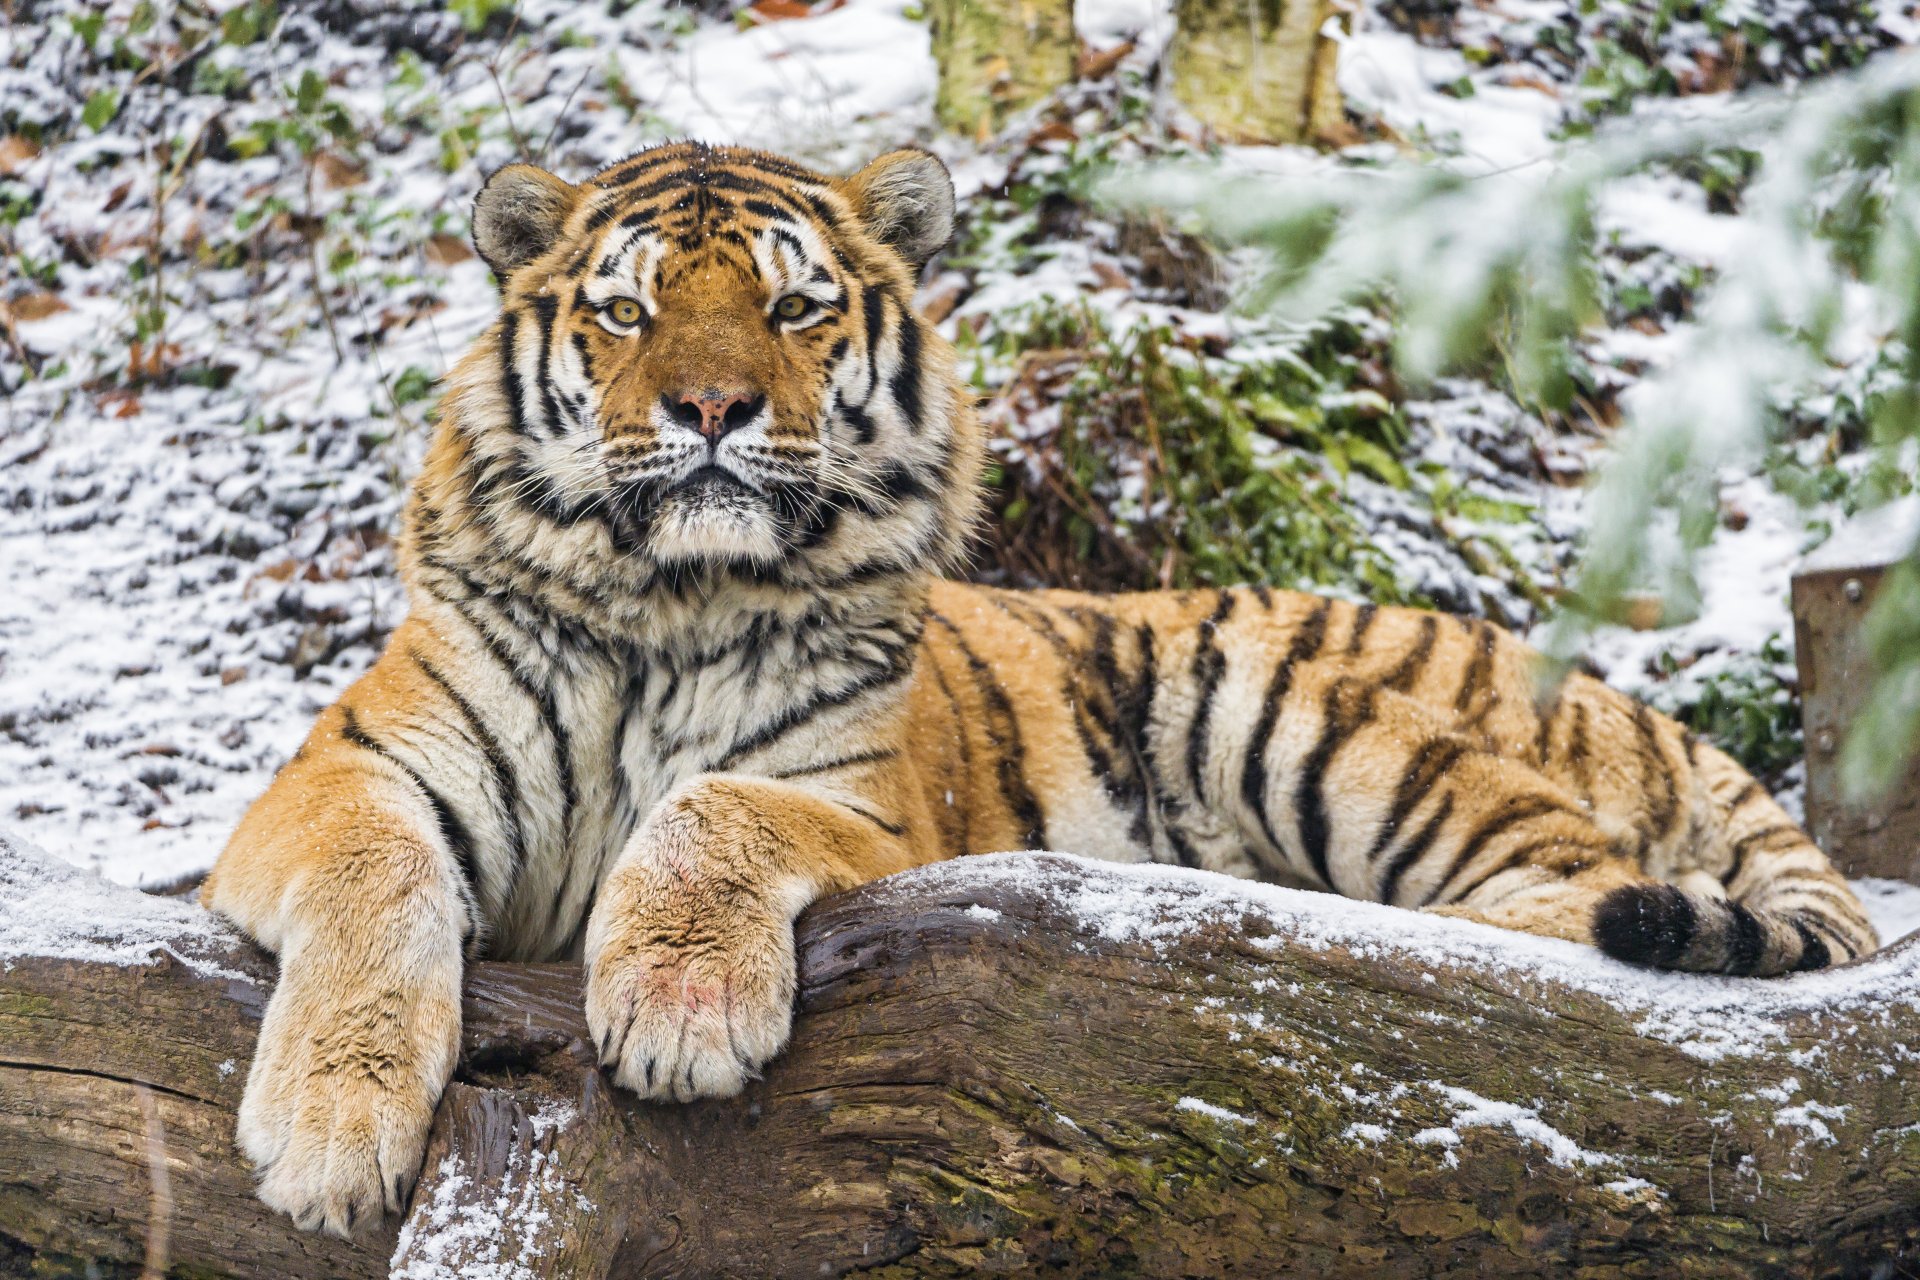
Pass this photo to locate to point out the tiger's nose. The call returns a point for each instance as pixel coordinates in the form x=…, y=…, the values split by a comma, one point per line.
x=713, y=413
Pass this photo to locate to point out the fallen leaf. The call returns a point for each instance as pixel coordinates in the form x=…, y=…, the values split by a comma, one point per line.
x=1110, y=276
x=36, y=306
x=786, y=10
x=336, y=171
x=1098, y=66
x=445, y=251
x=1052, y=131
x=15, y=152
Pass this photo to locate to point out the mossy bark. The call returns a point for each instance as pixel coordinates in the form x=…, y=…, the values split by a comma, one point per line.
x=1256, y=70
x=982, y=1080
x=997, y=56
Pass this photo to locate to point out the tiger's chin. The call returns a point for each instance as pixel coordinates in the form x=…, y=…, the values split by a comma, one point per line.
x=709, y=527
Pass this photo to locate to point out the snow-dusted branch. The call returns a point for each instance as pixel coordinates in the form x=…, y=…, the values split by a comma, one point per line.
x=1823, y=262
x=1020, y=1063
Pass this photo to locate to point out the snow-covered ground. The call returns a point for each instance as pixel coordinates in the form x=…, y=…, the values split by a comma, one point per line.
x=199, y=479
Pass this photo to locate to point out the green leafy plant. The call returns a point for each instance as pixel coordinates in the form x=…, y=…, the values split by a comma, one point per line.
x=1506, y=264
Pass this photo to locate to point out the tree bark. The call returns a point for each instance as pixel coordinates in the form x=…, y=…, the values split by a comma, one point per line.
x=997, y=57
x=1015, y=1063
x=1257, y=70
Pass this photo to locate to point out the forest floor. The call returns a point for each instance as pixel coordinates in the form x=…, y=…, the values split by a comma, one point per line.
x=233, y=266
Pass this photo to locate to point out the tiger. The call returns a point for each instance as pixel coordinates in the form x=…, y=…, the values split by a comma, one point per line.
x=681, y=658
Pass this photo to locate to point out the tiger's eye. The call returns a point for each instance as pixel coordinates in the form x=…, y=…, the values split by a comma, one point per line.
x=624, y=311
x=791, y=307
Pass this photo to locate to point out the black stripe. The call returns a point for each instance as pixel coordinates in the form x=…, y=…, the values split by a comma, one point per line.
x=1516, y=810
x=1747, y=941
x=1477, y=670
x=511, y=387
x=1074, y=692
x=899, y=663
x=1309, y=794
x=870, y=305
x=545, y=308
x=1164, y=798
x=1413, y=850
x=1748, y=844
x=1525, y=855
x=891, y=828
x=452, y=830
x=906, y=374
x=1402, y=677
x=843, y=762
x=1209, y=665
x=1362, y=623
x=497, y=761
x=1307, y=640
x=1813, y=952
x=543, y=700
x=1435, y=757
x=1005, y=728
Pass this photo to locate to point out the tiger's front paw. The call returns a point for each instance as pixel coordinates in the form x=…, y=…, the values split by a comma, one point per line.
x=338, y=1102
x=689, y=988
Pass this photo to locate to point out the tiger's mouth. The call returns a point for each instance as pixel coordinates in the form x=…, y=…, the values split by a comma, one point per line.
x=712, y=478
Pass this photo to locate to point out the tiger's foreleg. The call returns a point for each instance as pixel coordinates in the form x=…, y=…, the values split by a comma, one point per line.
x=689, y=951
x=344, y=871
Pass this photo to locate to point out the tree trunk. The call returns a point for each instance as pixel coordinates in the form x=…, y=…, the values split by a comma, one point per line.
x=1256, y=70
x=1004, y=1064
x=998, y=56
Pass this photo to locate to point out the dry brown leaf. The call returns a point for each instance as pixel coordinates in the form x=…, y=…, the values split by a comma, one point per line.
x=36, y=306
x=1110, y=276
x=445, y=251
x=336, y=171
x=786, y=10
x=1052, y=131
x=1098, y=66
x=15, y=152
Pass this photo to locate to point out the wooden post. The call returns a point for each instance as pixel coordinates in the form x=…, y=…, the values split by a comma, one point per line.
x=1832, y=594
x=998, y=56
x=1256, y=70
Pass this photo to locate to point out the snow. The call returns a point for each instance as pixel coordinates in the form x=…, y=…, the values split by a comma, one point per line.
x=51, y=909
x=464, y=1232
x=1707, y=1017
x=1475, y=1112
x=1871, y=540
x=1205, y=1108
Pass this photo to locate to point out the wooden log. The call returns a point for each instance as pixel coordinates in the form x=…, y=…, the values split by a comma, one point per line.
x=1019, y=1063
x=997, y=57
x=1257, y=70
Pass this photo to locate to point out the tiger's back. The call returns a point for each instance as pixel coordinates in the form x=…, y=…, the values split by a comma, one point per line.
x=1390, y=754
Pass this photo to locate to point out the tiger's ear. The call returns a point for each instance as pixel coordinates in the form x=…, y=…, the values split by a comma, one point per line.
x=519, y=214
x=906, y=199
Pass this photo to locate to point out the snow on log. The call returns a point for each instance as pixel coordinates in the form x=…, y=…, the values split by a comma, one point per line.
x=1004, y=1063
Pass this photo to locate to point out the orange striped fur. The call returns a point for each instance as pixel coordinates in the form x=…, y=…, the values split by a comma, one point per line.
x=679, y=662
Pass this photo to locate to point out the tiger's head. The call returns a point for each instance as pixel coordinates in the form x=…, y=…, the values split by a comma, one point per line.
x=707, y=362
